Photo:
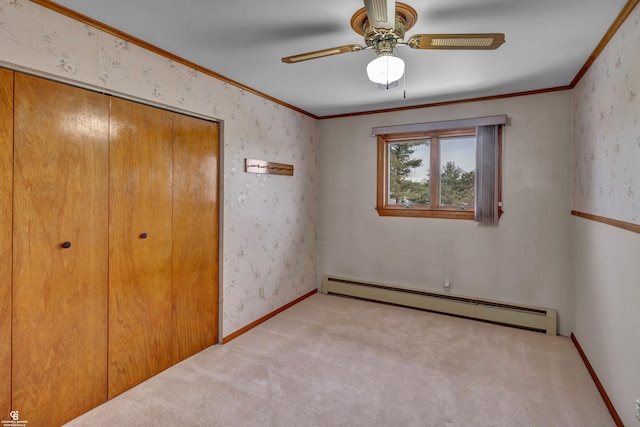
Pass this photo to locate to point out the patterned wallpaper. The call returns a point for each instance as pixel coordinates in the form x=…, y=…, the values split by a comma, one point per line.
x=269, y=222
x=606, y=148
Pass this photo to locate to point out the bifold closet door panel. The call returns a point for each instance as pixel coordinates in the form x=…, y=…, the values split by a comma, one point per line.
x=60, y=250
x=195, y=235
x=140, y=243
x=6, y=200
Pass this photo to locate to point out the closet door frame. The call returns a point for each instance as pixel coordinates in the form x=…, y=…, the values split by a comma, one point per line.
x=7, y=169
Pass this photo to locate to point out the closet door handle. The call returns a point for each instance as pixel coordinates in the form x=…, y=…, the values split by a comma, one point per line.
x=143, y=236
x=66, y=245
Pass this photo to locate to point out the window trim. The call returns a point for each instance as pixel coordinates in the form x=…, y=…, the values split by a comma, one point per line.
x=382, y=205
x=437, y=126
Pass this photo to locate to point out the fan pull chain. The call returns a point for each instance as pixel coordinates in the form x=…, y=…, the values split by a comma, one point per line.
x=387, y=75
x=404, y=85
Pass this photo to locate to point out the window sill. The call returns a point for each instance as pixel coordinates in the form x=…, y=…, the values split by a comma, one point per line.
x=416, y=212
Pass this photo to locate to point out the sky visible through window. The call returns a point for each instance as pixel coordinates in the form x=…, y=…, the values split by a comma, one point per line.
x=460, y=150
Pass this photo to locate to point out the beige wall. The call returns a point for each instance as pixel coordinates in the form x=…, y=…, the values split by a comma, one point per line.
x=526, y=259
x=606, y=176
x=607, y=313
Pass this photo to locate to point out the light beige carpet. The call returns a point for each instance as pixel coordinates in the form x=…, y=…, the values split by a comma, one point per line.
x=333, y=361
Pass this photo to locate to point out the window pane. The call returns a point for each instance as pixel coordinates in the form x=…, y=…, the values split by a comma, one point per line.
x=409, y=173
x=457, y=171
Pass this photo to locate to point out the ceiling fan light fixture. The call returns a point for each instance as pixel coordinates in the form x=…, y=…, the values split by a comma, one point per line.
x=385, y=69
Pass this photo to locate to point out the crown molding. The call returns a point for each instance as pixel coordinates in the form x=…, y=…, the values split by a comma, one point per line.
x=148, y=46
x=615, y=26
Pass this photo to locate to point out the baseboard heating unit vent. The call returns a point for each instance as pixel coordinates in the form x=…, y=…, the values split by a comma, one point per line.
x=534, y=318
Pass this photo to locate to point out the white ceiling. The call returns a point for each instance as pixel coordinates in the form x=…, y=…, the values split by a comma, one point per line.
x=547, y=43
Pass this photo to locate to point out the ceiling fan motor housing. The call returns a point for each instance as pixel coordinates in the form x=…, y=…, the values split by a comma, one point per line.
x=384, y=46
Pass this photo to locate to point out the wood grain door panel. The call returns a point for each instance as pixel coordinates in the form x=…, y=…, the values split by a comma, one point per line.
x=139, y=268
x=195, y=235
x=6, y=264
x=59, y=295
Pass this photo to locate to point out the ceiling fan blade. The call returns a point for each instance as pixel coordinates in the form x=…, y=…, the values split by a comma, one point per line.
x=322, y=53
x=381, y=13
x=486, y=41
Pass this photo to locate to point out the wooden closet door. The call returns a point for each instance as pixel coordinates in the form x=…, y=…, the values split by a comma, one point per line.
x=59, y=294
x=140, y=244
x=6, y=187
x=195, y=235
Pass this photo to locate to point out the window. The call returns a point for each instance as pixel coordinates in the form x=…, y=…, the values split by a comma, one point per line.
x=429, y=173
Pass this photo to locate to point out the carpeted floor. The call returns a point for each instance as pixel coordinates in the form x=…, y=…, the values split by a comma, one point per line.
x=333, y=361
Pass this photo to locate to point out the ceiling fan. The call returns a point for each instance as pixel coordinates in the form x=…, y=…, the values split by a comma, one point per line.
x=383, y=24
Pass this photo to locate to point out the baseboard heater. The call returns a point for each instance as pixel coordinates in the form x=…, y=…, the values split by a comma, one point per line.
x=534, y=318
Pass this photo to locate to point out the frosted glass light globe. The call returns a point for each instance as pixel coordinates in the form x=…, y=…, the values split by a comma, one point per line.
x=385, y=69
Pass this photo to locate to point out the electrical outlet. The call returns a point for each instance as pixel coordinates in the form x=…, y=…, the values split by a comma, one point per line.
x=447, y=286
x=261, y=293
x=638, y=409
